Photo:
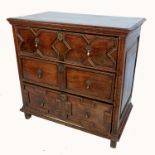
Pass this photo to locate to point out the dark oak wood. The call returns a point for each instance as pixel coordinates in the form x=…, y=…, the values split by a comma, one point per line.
x=82, y=22
x=78, y=70
x=85, y=19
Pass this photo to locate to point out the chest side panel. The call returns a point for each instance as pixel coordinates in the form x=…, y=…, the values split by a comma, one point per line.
x=132, y=42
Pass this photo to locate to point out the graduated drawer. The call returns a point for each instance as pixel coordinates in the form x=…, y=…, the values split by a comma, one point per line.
x=92, y=51
x=88, y=114
x=39, y=72
x=98, y=85
x=84, y=82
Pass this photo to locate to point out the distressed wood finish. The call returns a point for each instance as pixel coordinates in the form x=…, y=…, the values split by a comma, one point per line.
x=89, y=114
x=78, y=70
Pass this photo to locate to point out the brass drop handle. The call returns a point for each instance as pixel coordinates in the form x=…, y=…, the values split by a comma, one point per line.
x=39, y=73
x=41, y=102
x=88, y=84
x=88, y=53
x=36, y=41
x=86, y=115
x=88, y=50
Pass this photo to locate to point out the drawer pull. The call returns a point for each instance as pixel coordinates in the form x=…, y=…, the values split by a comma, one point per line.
x=88, y=84
x=86, y=115
x=88, y=50
x=39, y=73
x=41, y=102
x=63, y=97
x=36, y=41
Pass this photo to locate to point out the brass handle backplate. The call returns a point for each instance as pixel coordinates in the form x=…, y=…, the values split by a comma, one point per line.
x=36, y=41
x=62, y=98
x=61, y=68
x=60, y=36
x=39, y=73
x=88, y=84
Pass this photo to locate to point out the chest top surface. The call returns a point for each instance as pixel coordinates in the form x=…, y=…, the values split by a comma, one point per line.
x=127, y=23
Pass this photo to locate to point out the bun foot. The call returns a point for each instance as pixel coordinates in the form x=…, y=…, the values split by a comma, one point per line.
x=113, y=144
x=27, y=115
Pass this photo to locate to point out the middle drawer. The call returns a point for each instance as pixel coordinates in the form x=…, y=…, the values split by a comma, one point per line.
x=79, y=81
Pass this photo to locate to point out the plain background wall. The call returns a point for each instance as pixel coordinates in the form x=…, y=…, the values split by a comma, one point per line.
x=41, y=137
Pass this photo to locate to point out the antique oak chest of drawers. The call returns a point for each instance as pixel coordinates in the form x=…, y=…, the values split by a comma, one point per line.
x=78, y=70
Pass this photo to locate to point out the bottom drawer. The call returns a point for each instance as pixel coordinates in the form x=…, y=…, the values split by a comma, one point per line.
x=92, y=115
x=89, y=114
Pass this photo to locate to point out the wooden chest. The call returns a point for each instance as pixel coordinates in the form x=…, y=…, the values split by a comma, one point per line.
x=78, y=70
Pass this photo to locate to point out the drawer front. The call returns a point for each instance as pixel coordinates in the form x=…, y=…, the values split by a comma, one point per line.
x=93, y=116
x=93, y=51
x=92, y=84
x=90, y=115
x=99, y=52
x=39, y=72
x=35, y=99
x=37, y=42
x=45, y=101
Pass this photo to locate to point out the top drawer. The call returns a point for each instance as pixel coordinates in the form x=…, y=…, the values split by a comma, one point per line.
x=92, y=51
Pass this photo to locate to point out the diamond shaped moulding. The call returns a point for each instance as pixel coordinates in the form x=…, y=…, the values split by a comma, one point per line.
x=60, y=46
